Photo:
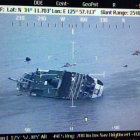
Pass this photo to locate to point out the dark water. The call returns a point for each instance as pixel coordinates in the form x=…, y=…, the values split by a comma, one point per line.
x=50, y=48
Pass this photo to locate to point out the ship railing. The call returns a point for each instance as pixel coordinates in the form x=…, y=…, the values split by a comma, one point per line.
x=27, y=79
x=72, y=87
x=48, y=74
x=77, y=85
x=80, y=86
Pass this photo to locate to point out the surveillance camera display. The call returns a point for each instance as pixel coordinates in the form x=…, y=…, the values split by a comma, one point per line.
x=65, y=73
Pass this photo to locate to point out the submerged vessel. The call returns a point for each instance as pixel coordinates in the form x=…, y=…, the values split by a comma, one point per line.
x=59, y=84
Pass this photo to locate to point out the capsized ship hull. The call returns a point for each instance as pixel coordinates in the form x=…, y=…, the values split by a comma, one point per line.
x=60, y=84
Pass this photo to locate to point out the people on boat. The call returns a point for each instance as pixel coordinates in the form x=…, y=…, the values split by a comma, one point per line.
x=69, y=65
x=136, y=52
x=37, y=71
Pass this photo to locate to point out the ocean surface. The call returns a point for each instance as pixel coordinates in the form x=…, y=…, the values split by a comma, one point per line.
x=96, y=48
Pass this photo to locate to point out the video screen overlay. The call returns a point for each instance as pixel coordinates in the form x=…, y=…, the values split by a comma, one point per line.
x=69, y=69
